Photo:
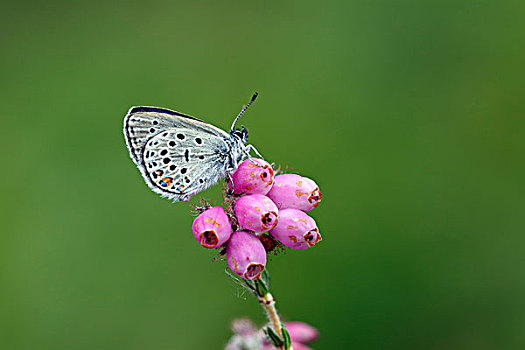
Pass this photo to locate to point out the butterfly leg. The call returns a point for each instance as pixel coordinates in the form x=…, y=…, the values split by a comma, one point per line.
x=251, y=148
x=229, y=183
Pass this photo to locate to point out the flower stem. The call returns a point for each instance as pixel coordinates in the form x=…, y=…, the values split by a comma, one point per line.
x=268, y=304
x=262, y=291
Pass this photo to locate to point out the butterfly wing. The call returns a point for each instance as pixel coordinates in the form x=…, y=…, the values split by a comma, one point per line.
x=177, y=155
x=141, y=123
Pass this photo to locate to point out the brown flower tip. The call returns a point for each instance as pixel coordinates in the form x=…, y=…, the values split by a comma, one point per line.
x=267, y=175
x=208, y=239
x=315, y=197
x=253, y=272
x=269, y=220
x=312, y=237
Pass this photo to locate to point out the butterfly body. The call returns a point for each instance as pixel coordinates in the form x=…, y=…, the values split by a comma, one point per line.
x=179, y=155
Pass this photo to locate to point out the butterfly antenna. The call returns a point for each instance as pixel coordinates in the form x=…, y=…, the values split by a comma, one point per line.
x=244, y=108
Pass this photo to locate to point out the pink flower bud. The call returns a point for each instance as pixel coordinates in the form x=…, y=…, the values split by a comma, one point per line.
x=246, y=255
x=301, y=332
x=254, y=175
x=295, y=191
x=296, y=229
x=212, y=228
x=256, y=212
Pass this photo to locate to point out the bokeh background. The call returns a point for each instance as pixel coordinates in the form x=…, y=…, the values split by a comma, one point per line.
x=409, y=114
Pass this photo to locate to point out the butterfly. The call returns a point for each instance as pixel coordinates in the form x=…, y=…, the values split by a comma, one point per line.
x=179, y=155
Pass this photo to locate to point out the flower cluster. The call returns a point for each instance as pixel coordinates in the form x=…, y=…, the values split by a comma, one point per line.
x=246, y=336
x=263, y=206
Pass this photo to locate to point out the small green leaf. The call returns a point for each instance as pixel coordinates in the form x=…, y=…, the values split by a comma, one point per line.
x=265, y=277
x=286, y=336
x=273, y=337
x=261, y=288
x=250, y=285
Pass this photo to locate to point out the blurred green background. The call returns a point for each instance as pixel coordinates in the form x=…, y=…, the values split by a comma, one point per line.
x=409, y=114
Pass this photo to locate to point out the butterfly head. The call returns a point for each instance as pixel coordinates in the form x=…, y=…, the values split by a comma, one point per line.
x=240, y=134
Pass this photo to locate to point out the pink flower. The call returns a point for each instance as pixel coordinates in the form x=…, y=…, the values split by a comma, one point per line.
x=254, y=175
x=246, y=255
x=295, y=191
x=296, y=229
x=256, y=212
x=212, y=228
x=301, y=332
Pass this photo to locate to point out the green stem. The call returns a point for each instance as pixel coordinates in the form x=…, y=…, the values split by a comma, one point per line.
x=268, y=303
x=261, y=289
